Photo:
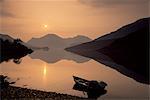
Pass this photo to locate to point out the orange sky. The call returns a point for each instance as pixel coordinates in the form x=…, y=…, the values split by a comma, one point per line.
x=26, y=18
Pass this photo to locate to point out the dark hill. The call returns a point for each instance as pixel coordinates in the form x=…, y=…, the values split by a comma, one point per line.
x=12, y=49
x=125, y=50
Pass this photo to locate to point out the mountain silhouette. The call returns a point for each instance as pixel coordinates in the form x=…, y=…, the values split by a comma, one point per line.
x=12, y=49
x=125, y=50
x=52, y=48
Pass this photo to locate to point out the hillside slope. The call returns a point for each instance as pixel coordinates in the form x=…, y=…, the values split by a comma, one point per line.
x=125, y=50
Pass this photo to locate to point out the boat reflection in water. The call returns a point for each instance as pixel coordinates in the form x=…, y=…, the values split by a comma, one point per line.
x=94, y=89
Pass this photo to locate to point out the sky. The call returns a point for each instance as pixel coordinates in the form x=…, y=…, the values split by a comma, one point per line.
x=25, y=19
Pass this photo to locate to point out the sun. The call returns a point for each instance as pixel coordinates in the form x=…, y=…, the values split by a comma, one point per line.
x=45, y=26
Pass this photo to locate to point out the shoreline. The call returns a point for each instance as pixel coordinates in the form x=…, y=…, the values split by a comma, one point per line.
x=17, y=93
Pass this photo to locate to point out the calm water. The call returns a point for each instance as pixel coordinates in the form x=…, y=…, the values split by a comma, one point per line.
x=57, y=77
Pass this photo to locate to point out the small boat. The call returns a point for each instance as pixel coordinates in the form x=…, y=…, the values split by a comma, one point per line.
x=94, y=89
x=86, y=85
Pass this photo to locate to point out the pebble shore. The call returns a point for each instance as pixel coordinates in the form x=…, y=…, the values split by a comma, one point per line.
x=18, y=93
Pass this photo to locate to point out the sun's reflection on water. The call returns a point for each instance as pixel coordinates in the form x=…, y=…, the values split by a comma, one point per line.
x=45, y=70
x=44, y=73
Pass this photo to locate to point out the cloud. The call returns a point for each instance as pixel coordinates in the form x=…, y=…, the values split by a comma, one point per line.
x=98, y=3
x=2, y=1
x=7, y=14
x=4, y=12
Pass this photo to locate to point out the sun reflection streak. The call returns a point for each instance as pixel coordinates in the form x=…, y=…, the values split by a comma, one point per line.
x=44, y=72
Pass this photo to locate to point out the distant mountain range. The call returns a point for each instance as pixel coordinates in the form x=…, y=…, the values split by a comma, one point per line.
x=54, y=46
x=54, y=41
x=125, y=50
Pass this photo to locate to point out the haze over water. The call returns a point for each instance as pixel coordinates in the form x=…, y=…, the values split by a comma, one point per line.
x=57, y=77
